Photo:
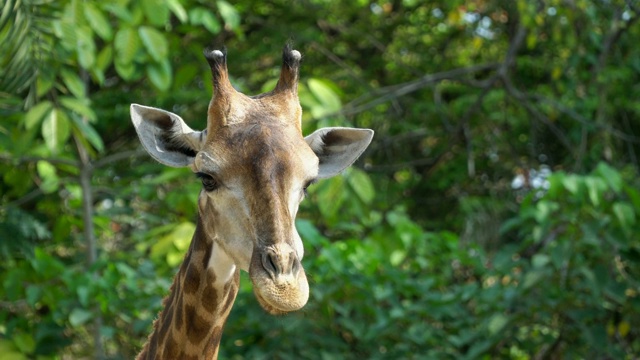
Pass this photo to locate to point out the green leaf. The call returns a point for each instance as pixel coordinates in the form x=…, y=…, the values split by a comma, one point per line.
x=160, y=74
x=44, y=83
x=34, y=293
x=55, y=130
x=595, y=188
x=229, y=14
x=154, y=42
x=330, y=196
x=50, y=181
x=35, y=115
x=611, y=176
x=625, y=214
x=178, y=10
x=497, y=323
x=126, y=70
x=174, y=244
x=204, y=17
x=185, y=75
x=361, y=185
x=156, y=11
x=83, y=295
x=98, y=21
x=119, y=10
x=328, y=99
x=85, y=47
x=531, y=278
x=89, y=133
x=572, y=183
x=78, y=106
x=105, y=57
x=127, y=44
x=540, y=260
x=79, y=316
x=73, y=82
x=67, y=33
x=24, y=342
x=397, y=257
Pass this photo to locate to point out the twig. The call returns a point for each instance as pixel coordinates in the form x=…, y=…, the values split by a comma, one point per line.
x=583, y=120
x=396, y=91
x=25, y=199
x=117, y=157
x=26, y=159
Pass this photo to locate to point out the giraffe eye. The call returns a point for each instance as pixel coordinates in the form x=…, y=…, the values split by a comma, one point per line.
x=208, y=182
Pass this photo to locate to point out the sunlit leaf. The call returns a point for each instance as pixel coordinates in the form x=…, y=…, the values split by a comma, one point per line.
x=55, y=130
x=229, y=14
x=160, y=74
x=86, y=48
x=98, y=21
x=204, y=17
x=78, y=106
x=361, y=185
x=330, y=195
x=126, y=70
x=119, y=10
x=48, y=174
x=156, y=11
x=625, y=214
x=24, y=342
x=328, y=99
x=611, y=176
x=497, y=323
x=104, y=58
x=154, y=42
x=178, y=10
x=73, y=82
x=79, y=316
x=127, y=44
x=35, y=115
x=89, y=133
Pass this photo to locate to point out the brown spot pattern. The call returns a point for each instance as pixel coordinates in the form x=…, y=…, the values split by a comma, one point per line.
x=209, y=298
x=171, y=349
x=197, y=326
x=191, y=280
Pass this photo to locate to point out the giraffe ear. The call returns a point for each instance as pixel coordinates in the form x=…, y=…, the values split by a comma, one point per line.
x=165, y=136
x=338, y=147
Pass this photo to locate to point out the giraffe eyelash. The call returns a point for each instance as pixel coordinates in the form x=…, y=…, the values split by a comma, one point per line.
x=305, y=188
x=208, y=182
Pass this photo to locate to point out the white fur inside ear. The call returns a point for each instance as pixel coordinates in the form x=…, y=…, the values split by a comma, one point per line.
x=165, y=136
x=337, y=148
x=296, y=54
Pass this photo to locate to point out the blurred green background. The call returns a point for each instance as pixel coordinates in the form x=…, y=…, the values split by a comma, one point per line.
x=495, y=215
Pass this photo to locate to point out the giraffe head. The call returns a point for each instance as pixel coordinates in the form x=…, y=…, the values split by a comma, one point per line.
x=255, y=166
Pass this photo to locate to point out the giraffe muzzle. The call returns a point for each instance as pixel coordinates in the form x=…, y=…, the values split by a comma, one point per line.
x=279, y=281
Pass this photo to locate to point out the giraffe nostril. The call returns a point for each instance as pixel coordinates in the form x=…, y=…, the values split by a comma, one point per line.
x=270, y=264
x=277, y=266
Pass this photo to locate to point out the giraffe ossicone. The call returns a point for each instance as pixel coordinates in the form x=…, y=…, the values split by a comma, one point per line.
x=255, y=166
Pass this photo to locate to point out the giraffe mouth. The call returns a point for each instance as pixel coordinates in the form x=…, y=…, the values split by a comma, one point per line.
x=279, y=281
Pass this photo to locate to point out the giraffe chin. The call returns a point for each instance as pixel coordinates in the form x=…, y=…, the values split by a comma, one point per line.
x=280, y=296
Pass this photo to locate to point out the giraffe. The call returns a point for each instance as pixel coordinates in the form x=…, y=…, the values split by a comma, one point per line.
x=255, y=167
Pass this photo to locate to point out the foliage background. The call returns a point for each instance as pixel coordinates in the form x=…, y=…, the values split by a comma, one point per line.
x=495, y=214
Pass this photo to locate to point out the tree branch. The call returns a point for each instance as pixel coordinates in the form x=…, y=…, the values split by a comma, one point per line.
x=27, y=159
x=117, y=157
x=396, y=91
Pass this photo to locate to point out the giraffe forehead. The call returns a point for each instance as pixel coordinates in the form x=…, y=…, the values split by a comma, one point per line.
x=261, y=150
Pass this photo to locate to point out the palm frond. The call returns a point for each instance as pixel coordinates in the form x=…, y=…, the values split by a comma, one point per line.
x=26, y=45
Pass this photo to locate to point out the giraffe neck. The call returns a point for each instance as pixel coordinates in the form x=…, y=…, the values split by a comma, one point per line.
x=200, y=299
